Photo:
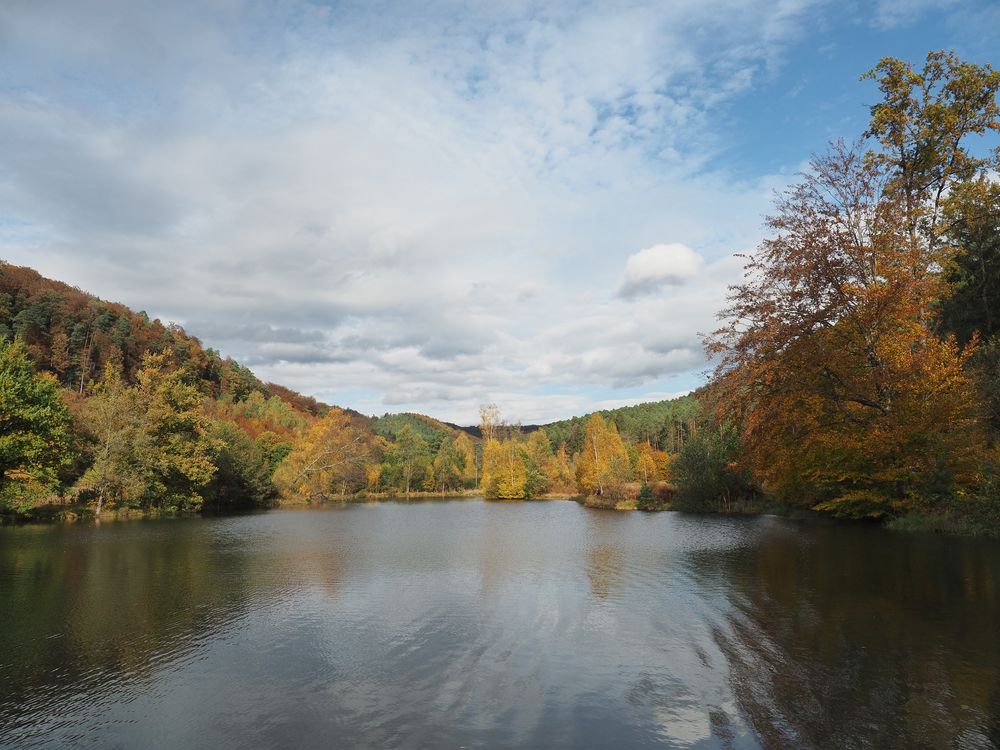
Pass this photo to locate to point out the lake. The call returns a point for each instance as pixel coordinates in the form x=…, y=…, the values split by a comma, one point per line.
x=482, y=625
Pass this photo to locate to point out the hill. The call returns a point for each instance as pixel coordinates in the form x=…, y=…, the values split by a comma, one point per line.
x=664, y=425
x=107, y=408
x=75, y=335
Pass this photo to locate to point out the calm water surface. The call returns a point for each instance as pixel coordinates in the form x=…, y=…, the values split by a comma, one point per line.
x=466, y=624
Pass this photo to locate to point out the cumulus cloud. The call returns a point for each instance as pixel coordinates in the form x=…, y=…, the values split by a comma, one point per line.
x=649, y=270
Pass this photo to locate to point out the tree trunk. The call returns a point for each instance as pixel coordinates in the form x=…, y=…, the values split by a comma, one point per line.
x=597, y=467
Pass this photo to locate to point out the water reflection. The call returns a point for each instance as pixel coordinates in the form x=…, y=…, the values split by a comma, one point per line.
x=605, y=568
x=545, y=625
x=847, y=636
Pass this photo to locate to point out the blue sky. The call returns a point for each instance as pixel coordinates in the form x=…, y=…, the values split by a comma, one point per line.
x=429, y=206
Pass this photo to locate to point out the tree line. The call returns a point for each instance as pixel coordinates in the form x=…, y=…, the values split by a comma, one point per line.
x=101, y=407
x=146, y=418
x=409, y=453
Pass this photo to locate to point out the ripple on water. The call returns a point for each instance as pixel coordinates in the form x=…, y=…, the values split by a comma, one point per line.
x=479, y=625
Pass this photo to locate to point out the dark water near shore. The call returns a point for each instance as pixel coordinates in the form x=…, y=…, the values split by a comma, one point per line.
x=465, y=624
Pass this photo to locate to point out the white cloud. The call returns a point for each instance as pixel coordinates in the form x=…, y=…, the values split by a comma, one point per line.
x=422, y=209
x=649, y=270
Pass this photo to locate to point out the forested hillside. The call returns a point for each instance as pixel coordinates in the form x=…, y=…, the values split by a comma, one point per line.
x=103, y=407
x=665, y=425
x=75, y=336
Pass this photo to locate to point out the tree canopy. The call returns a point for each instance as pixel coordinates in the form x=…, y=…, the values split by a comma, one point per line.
x=830, y=360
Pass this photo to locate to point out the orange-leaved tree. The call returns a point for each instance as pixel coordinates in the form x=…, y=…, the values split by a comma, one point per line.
x=829, y=359
x=847, y=398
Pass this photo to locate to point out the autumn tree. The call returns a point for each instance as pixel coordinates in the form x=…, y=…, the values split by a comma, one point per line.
x=448, y=465
x=922, y=124
x=844, y=393
x=562, y=477
x=373, y=477
x=505, y=475
x=152, y=445
x=177, y=430
x=430, y=483
x=35, y=440
x=603, y=467
x=649, y=463
x=829, y=360
x=121, y=451
x=330, y=458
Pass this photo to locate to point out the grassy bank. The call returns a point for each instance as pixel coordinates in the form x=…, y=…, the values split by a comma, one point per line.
x=955, y=517
x=371, y=497
x=70, y=512
x=960, y=518
x=74, y=512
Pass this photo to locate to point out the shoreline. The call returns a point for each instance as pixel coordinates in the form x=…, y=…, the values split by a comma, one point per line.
x=947, y=523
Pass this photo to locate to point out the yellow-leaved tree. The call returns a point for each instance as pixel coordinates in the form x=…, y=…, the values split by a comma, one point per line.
x=505, y=474
x=330, y=458
x=467, y=452
x=650, y=463
x=603, y=466
x=562, y=476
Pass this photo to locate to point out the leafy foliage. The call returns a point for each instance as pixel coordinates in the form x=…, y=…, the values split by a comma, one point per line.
x=329, y=459
x=603, y=467
x=706, y=471
x=166, y=423
x=663, y=425
x=505, y=474
x=846, y=396
x=409, y=457
x=35, y=440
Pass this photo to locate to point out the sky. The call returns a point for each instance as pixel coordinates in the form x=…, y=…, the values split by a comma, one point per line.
x=429, y=206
